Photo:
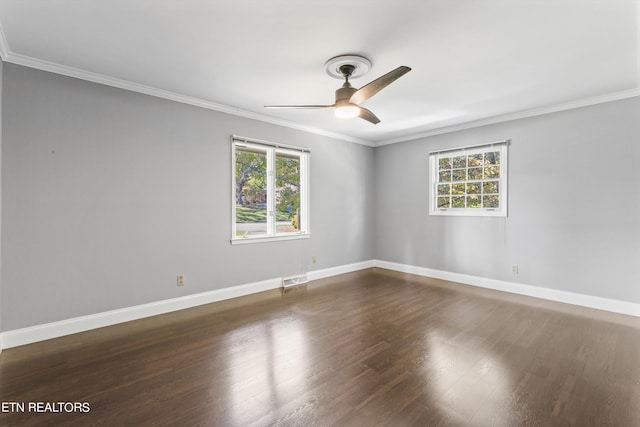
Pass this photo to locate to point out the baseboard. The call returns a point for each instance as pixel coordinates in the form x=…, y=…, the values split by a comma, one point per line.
x=342, y=269
x=61, y=328
x=47, y=331
x=615, y=306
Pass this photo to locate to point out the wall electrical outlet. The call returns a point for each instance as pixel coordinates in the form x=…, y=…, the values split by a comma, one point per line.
x=313, y=259
x=514, y=269
x=181, y=280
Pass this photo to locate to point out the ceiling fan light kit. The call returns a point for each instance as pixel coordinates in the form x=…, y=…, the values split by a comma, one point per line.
x=347, y=111
x=348, y=98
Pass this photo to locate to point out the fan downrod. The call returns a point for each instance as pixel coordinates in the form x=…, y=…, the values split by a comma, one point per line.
x=347, y=70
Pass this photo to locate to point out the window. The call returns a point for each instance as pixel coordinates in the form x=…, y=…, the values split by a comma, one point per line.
x=469, y=181
x=270, y=191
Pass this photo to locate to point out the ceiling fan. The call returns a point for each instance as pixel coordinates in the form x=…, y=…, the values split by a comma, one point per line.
x=349, y=98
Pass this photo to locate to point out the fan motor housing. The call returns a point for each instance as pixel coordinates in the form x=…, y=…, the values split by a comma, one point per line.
x=345, y=92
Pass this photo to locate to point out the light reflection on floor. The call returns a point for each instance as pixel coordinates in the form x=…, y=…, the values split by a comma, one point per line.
x=269, y=365
x=463, y=381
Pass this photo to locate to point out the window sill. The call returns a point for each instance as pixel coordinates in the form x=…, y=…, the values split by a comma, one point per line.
x=263, y=239
x=469, y=212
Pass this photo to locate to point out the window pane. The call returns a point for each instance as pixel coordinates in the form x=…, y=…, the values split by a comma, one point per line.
x=475, y=160
x=459, y=174
x=474, y=202
x=287, y=193
x=444, y=189
x=251, y=192
x=490, y=187
x=457, y=202
x=460, y=162
x=444, y=176
x=491, y=201
x=457, y=189
x=474, y=188
x=444, y=202
x=475, y=173
x=444, y=163
x=492, y=171
x=492, y=158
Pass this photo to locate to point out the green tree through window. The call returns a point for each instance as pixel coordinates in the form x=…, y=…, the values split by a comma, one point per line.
x=469, y=181
x=270, y=190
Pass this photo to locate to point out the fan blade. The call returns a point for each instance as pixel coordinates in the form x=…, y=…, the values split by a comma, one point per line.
x=298, y=106
x=371, y=88
x=368, y=116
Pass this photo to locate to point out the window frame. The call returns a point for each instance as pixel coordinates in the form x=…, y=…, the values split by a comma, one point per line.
x=435, y=156
x=272, y=149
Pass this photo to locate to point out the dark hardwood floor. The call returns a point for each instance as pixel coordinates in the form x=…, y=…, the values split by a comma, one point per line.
x=362, y=349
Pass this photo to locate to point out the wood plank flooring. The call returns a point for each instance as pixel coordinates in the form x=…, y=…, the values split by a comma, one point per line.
x=362, y=349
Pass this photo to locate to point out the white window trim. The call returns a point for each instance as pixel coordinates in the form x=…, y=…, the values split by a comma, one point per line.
x=271, y=148
x=433, y=161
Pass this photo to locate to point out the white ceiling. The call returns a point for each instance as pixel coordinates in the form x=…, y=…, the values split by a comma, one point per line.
x=473, y=61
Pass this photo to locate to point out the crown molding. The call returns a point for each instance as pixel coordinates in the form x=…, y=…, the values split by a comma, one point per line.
x=64, y=70
x=27, y=61
x=616, y=96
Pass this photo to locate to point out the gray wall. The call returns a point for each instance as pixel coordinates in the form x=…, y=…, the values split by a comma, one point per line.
x=574, y=204
x=1, y=85
x=108, y=195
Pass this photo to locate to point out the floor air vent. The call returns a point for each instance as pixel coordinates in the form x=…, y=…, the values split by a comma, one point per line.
x=294, y=280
